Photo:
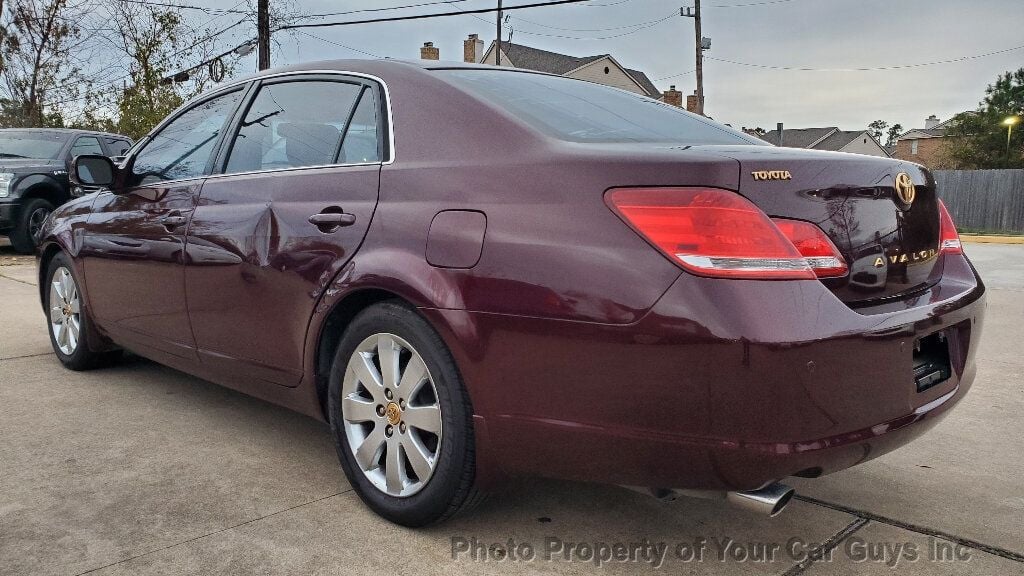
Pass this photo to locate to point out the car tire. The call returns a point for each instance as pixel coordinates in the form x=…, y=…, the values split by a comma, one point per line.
x=67, y=318
x=358, y=416
x=31, y=216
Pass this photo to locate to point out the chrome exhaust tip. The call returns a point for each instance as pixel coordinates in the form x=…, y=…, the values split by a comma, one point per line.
x=770, y=500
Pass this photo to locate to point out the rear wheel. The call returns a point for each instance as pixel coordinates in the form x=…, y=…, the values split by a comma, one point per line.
x=33, y=213
x=401, y=418
x=68, y=319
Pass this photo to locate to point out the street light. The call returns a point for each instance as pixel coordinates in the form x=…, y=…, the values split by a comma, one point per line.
x=1009, y=121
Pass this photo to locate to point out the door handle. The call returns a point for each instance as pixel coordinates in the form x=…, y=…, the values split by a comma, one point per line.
x=173, y=219
x=332, y=219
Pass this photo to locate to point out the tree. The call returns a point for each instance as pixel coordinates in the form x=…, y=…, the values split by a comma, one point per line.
x=756, y=131
x=38, y=39
x=877, y=128
x=893, y=134
x=978, y=139
x=158, y=45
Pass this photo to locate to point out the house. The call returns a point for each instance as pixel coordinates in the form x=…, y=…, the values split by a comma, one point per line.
x=599, y=68
x=830, y=138
x=924, y=145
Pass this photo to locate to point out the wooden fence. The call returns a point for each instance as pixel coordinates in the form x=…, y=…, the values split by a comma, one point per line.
x=984, y=200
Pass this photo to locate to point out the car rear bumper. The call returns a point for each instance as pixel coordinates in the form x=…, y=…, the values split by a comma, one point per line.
x=724, y=384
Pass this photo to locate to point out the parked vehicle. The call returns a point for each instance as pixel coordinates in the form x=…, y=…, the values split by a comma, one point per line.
x=34, y=175
x=473, y=273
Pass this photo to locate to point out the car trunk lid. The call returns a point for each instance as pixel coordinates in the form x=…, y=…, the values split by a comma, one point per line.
x=888, y=232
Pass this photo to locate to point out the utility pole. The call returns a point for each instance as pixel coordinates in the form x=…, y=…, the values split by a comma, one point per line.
x=695, y=14
x=263, y=33
x=497, y=39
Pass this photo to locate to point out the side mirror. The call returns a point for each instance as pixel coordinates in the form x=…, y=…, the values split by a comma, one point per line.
x=92, y=170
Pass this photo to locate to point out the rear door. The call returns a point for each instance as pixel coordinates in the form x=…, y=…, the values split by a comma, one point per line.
x=134, y=242
x=294, y=200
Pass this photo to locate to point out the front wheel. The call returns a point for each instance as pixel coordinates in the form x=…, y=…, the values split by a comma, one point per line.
x=401, y=418
x=25, y=235
x=68, y=319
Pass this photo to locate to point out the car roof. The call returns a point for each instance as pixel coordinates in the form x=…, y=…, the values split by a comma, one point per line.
x=381, y=67
x=69, y=131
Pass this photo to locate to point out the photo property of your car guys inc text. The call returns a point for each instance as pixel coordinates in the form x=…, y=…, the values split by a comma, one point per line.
x=297, y=287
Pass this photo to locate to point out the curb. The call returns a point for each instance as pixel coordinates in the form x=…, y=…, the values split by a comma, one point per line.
x=987, y=239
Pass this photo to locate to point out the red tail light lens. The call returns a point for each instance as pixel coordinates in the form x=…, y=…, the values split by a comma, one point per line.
x=949, y=239
x=710, y=232
x=814, y=246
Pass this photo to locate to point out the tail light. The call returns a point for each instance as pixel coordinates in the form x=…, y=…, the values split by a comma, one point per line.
x=710, y=232
x=949, y=239
x=812, y=243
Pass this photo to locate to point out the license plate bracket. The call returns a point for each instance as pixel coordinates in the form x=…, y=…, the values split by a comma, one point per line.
x=931, y=361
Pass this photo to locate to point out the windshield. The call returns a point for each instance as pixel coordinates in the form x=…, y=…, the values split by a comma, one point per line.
x=28, y=144
x=578, y=111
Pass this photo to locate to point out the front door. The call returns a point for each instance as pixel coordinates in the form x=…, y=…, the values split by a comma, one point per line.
x=134, y=241
x=298, y=189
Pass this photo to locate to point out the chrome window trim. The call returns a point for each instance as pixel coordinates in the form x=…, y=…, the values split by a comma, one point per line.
x=163, y=183
x=215, y=92
x=289, y=169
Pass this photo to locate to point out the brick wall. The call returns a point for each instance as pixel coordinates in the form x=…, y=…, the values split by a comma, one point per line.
x=929, y=152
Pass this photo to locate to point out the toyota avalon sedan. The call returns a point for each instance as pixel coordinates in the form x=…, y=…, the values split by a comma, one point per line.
x=474, y=273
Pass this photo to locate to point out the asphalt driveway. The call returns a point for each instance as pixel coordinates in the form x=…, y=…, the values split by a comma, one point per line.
x=139, y=469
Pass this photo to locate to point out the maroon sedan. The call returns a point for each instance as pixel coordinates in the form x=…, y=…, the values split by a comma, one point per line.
x=473, y=273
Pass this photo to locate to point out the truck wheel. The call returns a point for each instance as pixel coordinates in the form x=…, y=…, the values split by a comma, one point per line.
x=30, y=220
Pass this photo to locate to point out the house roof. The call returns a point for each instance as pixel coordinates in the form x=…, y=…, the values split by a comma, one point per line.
x=798, y=137
x=542, y=60
x=554, y=63
x=836, y=140
x=644, y=82
x=938, y=131
x=924, y=133
x=829, y=138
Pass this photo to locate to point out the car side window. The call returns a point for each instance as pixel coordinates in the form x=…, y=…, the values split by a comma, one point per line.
x=117, y=146
x=294, y=124
x=86, y=145
x=182, y=148
x=360, y=145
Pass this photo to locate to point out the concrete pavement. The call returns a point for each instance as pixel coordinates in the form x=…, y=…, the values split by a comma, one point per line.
x=139, y=469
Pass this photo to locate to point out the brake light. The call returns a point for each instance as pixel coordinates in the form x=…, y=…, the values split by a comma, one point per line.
x=710, y=232
x=949, y=239
x=812, y=243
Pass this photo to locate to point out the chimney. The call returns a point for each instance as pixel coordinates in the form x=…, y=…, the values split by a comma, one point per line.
x=691, y=102
x=428, y=52
x=779, y=128
x=931, y=122
x=673, y=96
x=473, y=49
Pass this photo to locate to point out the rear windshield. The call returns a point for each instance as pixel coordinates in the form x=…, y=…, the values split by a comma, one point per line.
x=578, y=111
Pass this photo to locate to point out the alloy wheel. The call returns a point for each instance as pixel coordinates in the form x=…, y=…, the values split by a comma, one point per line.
x=65, y=311
x=391, y=414
x=35, y=222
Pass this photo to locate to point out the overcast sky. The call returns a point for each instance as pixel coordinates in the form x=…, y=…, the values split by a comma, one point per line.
x=819, y=34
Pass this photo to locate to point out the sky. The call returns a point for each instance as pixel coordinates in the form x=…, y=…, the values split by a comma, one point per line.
x=829, y=36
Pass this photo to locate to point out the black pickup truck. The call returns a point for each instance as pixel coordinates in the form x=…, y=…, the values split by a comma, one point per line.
x=34, y=175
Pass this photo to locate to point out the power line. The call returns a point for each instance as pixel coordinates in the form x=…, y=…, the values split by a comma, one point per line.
x=675, y=75
x=385, y=9
x=186, y=7
x=594, y=29
x=748, y=4
x=339, y=44
x=868, y=69
x=434, y=15
x=634, y=31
